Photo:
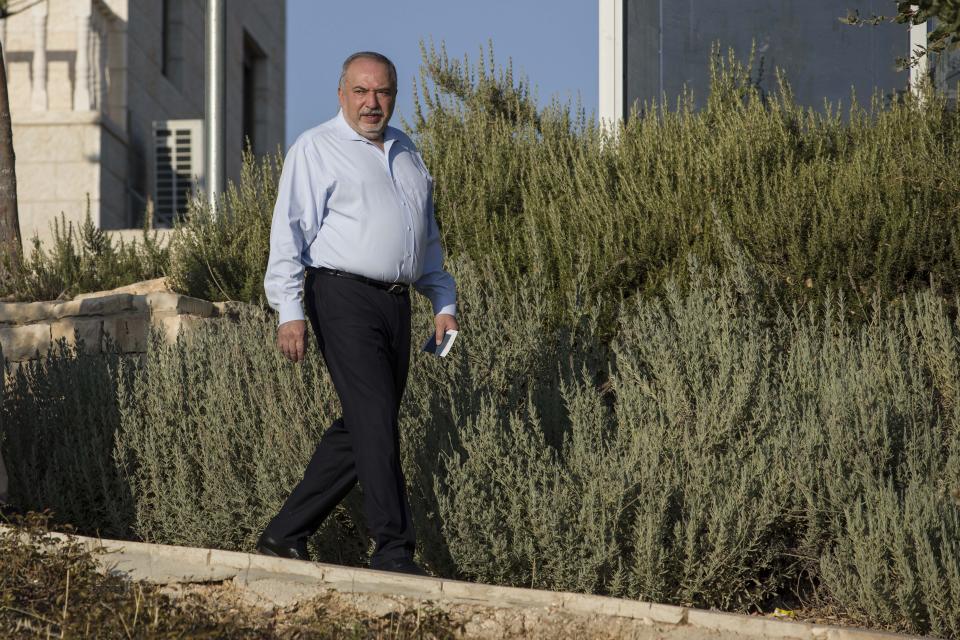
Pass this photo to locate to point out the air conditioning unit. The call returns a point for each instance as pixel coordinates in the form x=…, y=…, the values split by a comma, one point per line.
x=177, y=167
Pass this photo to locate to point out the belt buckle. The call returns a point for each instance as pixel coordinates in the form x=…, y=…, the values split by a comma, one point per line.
x=395, y=288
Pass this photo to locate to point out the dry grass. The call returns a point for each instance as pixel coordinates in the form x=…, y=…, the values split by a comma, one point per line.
x=51, y=589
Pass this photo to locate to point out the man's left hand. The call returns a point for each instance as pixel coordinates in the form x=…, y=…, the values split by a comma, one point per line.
x=445, y=322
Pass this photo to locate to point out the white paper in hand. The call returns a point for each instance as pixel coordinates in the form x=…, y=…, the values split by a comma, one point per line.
x=442, y=349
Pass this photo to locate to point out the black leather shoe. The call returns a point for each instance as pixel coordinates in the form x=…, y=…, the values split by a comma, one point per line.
x=399, y=565
x=268, y=546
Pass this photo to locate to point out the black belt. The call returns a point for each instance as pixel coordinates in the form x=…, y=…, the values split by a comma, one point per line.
x=390, y=287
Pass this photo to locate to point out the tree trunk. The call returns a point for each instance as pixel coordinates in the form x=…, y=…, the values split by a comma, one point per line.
x=11, y=248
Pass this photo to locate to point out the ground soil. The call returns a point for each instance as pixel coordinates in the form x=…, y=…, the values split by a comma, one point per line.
x=457, y=620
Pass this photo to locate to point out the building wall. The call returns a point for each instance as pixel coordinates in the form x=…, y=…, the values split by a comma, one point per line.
x=265, y=24
x=668, y=47
x=54, y=173
x=154, y=96
x=65, y=157
x=105, y=153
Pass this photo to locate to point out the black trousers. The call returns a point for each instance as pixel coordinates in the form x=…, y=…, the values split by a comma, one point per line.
x=364, y=335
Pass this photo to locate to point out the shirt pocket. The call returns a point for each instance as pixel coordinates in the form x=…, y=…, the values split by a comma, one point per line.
x=414, y=179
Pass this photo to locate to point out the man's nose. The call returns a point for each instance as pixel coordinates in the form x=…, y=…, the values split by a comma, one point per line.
x=370, y=100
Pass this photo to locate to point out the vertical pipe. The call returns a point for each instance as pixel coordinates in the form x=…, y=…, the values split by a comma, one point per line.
x=81, y=88
x=619, y=68
x=215, y=125
x=660, y=55
x=39, y=95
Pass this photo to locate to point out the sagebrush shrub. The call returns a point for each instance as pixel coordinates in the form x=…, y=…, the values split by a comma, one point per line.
x=84, y=259
x=221, y=254
x=720, y=453
x=736, y=454
x=858, y=199
x=60, y=418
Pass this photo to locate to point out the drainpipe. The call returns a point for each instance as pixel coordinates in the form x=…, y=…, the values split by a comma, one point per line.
x=215, y=99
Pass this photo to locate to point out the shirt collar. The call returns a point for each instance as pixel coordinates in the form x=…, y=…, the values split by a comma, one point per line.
x=346, y=132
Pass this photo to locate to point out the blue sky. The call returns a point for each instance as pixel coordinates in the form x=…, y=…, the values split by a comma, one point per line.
x=553, y=43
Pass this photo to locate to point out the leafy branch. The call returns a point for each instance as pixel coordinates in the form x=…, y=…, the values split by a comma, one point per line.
x=945, y=35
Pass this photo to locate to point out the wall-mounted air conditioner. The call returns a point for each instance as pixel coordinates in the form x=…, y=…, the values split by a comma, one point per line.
x=177, y=167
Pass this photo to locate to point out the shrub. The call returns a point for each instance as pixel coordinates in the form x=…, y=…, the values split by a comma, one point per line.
x=179, y=463
x=720, y=454
x=660, y=485
x=222, y=254
x=185, y=468
x=60, y=419
x=861, y=200
x=736, y=455
x=85, y=259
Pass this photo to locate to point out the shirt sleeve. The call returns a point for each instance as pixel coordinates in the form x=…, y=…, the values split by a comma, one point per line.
x=301, y=198
x=435, y=283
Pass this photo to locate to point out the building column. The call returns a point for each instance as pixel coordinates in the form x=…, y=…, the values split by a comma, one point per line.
x=81, y=88
x=39, y=96
x=919, y=72
x=611, y=63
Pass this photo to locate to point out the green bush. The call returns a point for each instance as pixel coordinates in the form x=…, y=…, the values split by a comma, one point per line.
x=719, y=454
x=736, y=455
x=859, y=200
x=60, y=420
x=222, y=255
x=862, y=200
x=82, y=260
x=185, y=468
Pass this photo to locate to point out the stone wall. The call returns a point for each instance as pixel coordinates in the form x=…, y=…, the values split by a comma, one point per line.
x=111, y=320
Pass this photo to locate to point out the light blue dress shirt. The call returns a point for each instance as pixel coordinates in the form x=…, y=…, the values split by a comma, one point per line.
x=344, y=204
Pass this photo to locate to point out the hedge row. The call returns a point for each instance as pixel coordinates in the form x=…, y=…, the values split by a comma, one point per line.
x=716, y=455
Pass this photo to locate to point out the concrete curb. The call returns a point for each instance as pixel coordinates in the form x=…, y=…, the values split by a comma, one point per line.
x=291, y=580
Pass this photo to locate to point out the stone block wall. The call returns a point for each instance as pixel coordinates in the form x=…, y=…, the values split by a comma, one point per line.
x=29, y=329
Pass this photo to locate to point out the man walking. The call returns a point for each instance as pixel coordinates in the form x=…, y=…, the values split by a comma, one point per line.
x=355, y=212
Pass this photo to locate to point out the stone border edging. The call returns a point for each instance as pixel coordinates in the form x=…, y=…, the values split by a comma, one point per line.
x=168, y=564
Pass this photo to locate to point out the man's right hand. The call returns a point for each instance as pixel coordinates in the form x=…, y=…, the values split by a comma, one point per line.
x=291, y=339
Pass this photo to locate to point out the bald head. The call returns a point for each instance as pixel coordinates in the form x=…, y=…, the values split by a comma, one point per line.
x=369, y=55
